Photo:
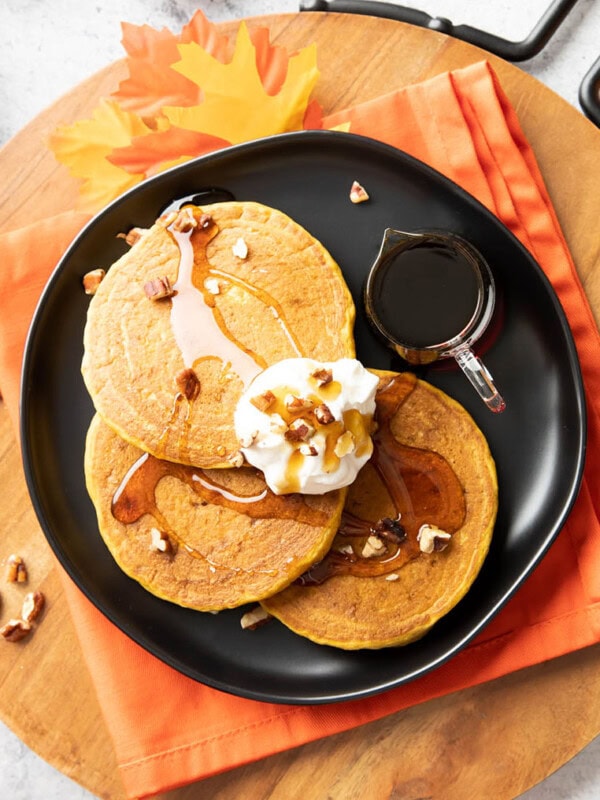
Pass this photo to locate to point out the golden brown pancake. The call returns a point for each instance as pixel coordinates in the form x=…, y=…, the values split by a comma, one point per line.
x=448, y=480
x=229, y=314
x=227, y=539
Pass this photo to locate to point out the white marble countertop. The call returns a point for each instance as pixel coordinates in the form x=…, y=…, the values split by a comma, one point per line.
x=35, y=35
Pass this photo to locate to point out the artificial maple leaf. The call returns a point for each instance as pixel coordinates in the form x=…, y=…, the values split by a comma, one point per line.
x=236, y=106
x=151, y=83
x=313, y=116
x=171, y=144
x=161, y=149
x=271, y=60
x=84, y=146
x=343, y=127
x=260, y=91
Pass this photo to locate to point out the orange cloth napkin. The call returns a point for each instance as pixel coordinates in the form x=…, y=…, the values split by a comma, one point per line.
x=169, y=730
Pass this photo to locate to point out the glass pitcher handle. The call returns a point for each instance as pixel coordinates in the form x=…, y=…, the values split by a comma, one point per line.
x=480, y=379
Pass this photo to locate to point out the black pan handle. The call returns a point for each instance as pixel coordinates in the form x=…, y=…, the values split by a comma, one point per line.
x=589, y=93
x=542, y=32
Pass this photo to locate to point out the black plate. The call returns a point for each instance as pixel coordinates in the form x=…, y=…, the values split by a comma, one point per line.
x=538, y=442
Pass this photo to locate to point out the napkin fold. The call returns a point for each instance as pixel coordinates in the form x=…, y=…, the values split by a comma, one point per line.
x=169, y=730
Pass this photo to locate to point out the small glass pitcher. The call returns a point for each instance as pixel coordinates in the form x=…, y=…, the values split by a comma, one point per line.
x=431, y=295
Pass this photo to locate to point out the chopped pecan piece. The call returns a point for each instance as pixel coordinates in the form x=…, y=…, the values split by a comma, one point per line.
x=308, y=449
x=212, y=285
x=299, y=431
x=236, y=459
x=185, y=221
x=205, y=221
x=240, y=249
x=159, y=541
x=92, y=280
x=263, y=401
x=358, y=193
x=345, y=444
x=293, y=403
x=323, y=414
x=254, y=618
x=322, y=376
x=373, y=547
x=432, y=539
x=33, y=604
x=16, y=571
x=133, y=235
x=159, y=288
x=188, y=384
x=441, y=541
x=391, y=530
x=15, y=630
x=248, y=441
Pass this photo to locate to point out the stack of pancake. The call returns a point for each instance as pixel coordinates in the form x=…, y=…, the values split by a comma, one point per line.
x=201, y=303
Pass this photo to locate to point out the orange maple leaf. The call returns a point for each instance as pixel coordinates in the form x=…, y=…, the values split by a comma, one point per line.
x=313, y=117
x=157, y=150
x=236, y=106
x=271, y=60
x=151, y=83
x=84, y=146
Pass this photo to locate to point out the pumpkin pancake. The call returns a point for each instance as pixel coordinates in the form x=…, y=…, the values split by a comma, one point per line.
x=205, y=539
x=202, y=302
x=416, y=527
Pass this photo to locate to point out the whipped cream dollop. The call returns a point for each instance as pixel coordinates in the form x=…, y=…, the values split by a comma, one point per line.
x=307, y=424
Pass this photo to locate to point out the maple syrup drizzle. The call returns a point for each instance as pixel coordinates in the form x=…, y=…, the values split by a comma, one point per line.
x=422, y=486
x=327, y=391
x=136, y=496
x=267, y=300
x=197, y=325
x=183, y=428
x=199, y=328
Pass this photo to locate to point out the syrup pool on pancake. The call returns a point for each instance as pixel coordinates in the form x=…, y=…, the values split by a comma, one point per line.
x=307, y=425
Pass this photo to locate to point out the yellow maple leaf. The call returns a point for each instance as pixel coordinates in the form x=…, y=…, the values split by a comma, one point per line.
x=344, y=127
x=84, y=146
x=236, y=106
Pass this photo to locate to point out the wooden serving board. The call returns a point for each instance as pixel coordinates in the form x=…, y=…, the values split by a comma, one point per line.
x=494, y=740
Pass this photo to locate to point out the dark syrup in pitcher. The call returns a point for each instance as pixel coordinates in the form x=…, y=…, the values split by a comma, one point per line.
x=425, y=294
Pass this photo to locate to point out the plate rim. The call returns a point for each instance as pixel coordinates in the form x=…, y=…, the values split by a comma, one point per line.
x=73, y=570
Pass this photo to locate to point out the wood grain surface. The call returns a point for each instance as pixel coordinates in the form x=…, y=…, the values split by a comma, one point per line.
x=495, y=740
